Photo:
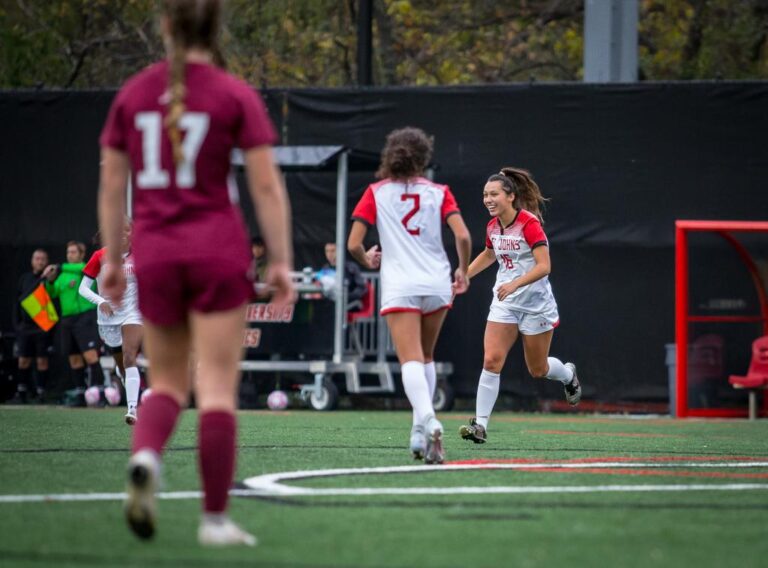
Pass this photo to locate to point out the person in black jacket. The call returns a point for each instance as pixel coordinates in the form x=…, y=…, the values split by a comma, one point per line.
x=30, y=339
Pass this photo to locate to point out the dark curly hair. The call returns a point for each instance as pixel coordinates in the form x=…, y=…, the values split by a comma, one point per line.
x=406, y=154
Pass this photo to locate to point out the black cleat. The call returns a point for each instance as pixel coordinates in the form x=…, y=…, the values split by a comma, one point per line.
x=474, y=432
x=573, y=389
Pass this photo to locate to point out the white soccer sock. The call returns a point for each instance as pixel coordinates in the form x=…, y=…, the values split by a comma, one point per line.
x=132, y=383
x=429, y=371
x=487, y=393
x=417, y=390
x=558, y=371
x=431, y=374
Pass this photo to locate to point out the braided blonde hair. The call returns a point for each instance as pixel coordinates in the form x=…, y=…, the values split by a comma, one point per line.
x=192, y=23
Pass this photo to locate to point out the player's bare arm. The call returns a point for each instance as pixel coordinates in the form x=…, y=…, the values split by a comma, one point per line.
x=273, y=210
x=113, y=180
x=463, y=250
x=481, y=262
x=357, y=249
x=541, y=269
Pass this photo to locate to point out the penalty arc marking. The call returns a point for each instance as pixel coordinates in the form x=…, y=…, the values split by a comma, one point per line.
x=271, y=485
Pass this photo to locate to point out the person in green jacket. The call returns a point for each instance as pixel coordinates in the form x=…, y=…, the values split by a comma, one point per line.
x=79, y=332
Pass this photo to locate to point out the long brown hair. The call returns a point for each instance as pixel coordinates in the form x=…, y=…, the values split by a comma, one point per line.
x=520, y=183
x=406, y=154
x=191, y=23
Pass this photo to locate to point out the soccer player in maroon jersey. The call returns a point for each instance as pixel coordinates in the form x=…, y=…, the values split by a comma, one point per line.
x=408, y=211
x=523, y=303
x=173, y=127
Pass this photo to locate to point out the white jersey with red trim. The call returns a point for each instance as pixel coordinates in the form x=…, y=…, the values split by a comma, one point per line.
x=409, y=217
x=513, y=246
x=129, y=309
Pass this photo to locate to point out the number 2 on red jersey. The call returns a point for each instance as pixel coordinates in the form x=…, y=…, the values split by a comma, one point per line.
x=408, y=216
x=195, y=127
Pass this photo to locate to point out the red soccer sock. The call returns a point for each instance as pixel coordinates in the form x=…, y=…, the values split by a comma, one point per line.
x=217, y=433
x=157, y=419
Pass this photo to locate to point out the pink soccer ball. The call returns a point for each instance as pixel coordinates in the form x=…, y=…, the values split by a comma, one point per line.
x=146, y=394
x=92, y=396
x=112, y=395
x=277, y=400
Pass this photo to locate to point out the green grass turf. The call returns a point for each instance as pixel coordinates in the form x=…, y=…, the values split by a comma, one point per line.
x=56, y=450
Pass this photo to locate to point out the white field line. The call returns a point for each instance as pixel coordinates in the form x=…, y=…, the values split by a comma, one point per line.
x=270, y=485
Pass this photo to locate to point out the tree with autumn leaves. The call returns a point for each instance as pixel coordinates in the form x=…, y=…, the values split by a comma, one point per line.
x=312, y=43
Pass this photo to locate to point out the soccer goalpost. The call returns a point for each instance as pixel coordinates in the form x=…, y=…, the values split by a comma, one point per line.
x=685, y=316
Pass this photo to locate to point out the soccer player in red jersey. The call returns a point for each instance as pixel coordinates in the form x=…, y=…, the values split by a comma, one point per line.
x=523, y=303
x=408, y=212
x=173, y=126
x=119, y=325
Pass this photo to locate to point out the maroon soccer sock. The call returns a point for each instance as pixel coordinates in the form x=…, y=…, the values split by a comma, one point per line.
x=157, y=419
x=216, y=435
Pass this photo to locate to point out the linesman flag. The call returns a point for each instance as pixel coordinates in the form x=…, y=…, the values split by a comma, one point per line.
x=40, y=308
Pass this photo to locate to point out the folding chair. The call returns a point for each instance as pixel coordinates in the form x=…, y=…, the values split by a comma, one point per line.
x=757, y=375
x=358, y=317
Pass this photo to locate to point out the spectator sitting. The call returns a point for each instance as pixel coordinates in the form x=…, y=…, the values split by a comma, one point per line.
x=259, y=252
x=356, y=286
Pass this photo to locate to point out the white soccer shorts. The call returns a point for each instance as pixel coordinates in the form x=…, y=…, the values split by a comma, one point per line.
x=424, y=304
x=528, y=324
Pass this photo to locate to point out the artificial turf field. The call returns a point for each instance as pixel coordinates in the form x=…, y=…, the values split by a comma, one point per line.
x=589, y=493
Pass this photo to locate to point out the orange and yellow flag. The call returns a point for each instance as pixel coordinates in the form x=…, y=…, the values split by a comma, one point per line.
x=40, y=308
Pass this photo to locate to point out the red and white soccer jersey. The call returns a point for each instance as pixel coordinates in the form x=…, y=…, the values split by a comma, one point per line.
x=513, y=246
x=187, y=211
x=409, y=218
x=128, y=312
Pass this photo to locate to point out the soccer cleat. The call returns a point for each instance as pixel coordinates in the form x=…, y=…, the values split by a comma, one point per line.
x=435, y=453
x=130, y=416
x=573, y=389
x=220, y=530
x=418, y=442
x=143, y=474
x=474, y=431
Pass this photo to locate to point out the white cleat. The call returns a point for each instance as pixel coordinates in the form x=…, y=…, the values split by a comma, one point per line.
x=143, y=480
x=434, y=431
x=418, y=442
x=130, y=416
x=220, y=530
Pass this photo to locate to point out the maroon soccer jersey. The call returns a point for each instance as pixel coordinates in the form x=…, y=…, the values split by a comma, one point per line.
x=186, y=211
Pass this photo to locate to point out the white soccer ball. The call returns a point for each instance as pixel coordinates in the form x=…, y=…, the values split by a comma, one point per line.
x=112, y=395
x=277, y=400
x=92, y=396
x=146, y=394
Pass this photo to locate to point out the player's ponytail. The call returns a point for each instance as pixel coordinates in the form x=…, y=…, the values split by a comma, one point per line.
x=527, y=193
x=192, y=23
x=176, y=103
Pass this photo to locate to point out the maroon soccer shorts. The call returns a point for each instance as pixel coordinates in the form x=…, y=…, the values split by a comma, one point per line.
x=168, y=291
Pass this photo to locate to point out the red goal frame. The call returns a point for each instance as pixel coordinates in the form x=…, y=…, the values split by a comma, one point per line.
x=683, y=316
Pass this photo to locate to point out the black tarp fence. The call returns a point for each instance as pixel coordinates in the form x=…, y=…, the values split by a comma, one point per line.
x=619, y=163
